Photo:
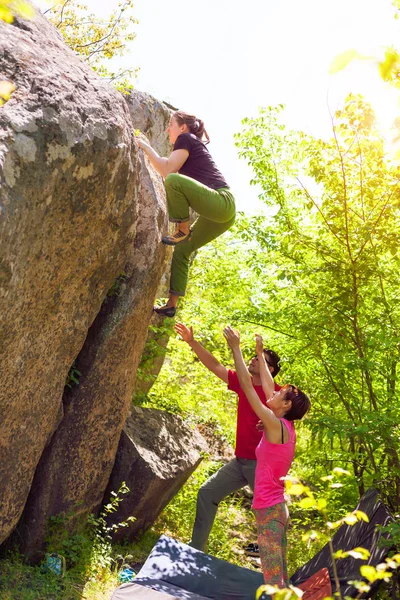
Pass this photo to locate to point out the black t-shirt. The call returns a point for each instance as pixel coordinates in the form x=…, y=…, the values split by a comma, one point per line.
x=199, y=164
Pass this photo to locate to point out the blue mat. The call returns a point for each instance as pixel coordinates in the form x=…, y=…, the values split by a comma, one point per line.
x=188, y=574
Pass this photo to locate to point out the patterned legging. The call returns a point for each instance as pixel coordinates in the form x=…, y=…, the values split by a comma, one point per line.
x=272, y=525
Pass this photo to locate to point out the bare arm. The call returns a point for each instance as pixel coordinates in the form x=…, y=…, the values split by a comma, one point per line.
x=204, y=355
x=267, y=381
x=163, y=165
x=269, y=420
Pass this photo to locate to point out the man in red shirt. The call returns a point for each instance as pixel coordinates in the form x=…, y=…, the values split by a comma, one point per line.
x=240, y=471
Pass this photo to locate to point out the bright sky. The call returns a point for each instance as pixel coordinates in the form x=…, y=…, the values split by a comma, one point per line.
x=222, y=59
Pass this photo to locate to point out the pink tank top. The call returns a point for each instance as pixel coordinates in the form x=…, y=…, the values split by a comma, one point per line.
x=273, y=462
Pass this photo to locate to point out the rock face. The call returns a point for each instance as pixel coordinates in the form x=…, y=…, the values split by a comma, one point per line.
x=156, y=455
x=152, y=118
x=80, y=215
x=74, y=470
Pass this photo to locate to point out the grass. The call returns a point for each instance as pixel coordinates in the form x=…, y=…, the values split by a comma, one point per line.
x=94, y=574
x=90, y=579
x=19, y=581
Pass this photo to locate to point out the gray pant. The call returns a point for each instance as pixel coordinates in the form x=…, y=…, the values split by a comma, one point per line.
x=228, y=479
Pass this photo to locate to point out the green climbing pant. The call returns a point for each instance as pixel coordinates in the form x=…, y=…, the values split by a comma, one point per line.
x=216, y=210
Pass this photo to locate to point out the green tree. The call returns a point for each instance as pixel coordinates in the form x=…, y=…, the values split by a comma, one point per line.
x=97, y=40
x=329, y=282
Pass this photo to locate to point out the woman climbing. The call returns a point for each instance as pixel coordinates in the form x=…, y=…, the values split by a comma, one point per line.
x=274, y=455
x=192, y=180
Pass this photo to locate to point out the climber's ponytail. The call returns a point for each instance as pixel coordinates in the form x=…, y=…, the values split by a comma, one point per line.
x=195, y=125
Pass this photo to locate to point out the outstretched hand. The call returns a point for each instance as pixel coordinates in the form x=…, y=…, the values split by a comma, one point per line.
x=232, y=337
x=186, y=333
x=259, y=344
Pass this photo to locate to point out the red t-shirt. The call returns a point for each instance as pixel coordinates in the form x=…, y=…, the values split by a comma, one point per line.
x=247, y=435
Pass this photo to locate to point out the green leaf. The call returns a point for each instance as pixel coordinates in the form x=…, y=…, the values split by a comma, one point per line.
x=359, y=553
x=390, y=64
x=307, y=503
x=341, y=61
x=361, y=516
x=6, y=89
x=369, y=573
x=24, y=9
x=340, y=471
x=296, y=489
x=350, y=519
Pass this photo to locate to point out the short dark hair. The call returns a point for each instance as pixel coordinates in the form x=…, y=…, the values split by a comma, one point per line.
x=272, y=359
x=300, y=403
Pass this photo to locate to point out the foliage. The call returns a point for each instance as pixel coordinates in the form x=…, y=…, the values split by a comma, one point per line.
x=19, y=581
x=6, y=89
x=152, y=359
x=329, y=282
x=371, y=574
x=91, y=562
x=184, y=385
x=393, y=529
x=91, y=547
x=115, y=289
x=97, y=40
x=388, y=67
x=11, y=8
x=73, y=376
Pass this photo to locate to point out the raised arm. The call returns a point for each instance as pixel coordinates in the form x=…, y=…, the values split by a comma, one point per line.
x=204, y=355
x=269, y=420
x=163, y=165
x=267, y=381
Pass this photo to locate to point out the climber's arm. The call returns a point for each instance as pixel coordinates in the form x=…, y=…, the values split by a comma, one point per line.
x=202, y=353
x=164, y=166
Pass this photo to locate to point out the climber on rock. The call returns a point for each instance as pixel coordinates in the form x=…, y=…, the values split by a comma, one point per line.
x=192, y=180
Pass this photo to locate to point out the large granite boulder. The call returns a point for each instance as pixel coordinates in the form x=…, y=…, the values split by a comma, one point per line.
x=157, y=453
x=81, y=217
x=74, y=470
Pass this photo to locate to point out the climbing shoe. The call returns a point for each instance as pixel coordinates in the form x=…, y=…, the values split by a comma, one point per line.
x=178, y=237
x=165, y=311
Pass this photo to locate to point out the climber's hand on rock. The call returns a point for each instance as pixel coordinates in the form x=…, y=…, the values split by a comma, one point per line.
x=142, y=144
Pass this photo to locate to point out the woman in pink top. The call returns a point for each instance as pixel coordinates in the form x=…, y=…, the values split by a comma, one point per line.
x=274, y=455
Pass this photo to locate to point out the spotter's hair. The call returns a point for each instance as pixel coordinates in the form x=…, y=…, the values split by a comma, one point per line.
x=300, y=403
